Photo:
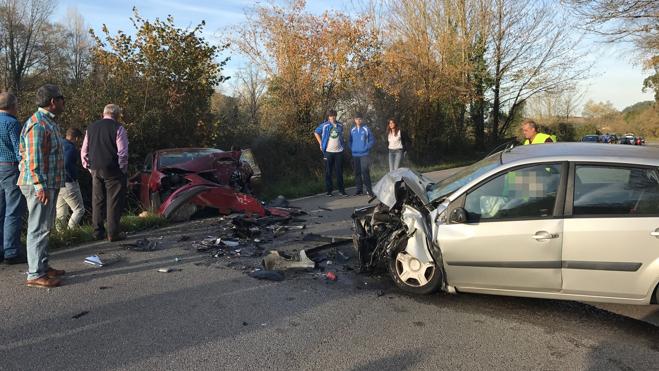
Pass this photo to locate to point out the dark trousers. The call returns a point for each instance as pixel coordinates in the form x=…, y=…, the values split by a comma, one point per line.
x=334, y=163
x=362, y=167
x=108, y=198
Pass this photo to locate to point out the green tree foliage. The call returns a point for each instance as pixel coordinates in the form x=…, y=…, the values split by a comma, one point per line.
x=163, y=77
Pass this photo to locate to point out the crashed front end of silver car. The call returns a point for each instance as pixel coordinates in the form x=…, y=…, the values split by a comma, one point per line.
x=396, y=233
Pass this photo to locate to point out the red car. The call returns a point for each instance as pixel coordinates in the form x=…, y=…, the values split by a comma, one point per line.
x=176, y=183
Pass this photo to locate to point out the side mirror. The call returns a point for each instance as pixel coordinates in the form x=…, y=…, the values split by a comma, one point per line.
x=458, y=216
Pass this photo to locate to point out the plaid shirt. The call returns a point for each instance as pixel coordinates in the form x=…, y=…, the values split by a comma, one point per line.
x=42, y=157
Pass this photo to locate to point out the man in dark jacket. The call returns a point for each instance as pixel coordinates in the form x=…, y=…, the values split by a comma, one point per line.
x=108, y=164
x=12, y=203
x=70, y=195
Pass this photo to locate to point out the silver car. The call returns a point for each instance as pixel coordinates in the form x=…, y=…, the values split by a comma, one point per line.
x=566, y=221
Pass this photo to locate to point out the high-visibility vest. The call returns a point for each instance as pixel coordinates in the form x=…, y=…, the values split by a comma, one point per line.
x=540, y=138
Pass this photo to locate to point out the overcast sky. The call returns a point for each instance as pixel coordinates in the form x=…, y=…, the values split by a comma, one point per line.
x=615, y=77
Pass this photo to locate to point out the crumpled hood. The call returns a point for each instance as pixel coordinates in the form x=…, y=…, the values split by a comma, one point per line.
x=385, y=189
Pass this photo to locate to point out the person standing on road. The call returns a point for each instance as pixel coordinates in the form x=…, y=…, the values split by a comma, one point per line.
x=361, y=142
x=397, y=144
x=108, y=164
x=12, y=203
x=40, y=179
x=70, y=195
x=531, y=134
x=329, y=135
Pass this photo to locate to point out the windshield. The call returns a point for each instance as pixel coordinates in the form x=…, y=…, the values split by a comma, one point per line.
x=456, y=181
x=168, y=159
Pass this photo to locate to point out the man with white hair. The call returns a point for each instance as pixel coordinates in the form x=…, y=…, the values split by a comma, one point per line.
x=108, y=163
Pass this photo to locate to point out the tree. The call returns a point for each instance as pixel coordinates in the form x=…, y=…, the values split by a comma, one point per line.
x=533, y=49
x=78, y=44
x=309, y=61
x=164, y=78
x=22, y=25
x=598, y=109
x=626, y=20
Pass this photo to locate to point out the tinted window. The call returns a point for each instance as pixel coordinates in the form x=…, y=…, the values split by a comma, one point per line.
x=522, y=193
x=601, y=190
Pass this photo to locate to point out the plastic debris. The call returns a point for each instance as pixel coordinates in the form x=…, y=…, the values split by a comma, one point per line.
x=331, y=276
x=267, y=275
x=274, y=261
x=94, y=260
x=165, y=270
x=83, y=313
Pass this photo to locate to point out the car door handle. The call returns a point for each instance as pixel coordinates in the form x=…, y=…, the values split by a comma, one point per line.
x=544, y=235
x=655, y=233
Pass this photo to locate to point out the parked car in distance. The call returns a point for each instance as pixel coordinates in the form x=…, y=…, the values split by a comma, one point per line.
x=591, y=138
x=627, y=139
x=569, y=221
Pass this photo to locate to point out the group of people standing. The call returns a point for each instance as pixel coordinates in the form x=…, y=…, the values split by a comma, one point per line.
x=330, y=138
x=39, y=172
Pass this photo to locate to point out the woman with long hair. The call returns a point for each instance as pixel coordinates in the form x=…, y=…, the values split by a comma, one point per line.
x=396, y=144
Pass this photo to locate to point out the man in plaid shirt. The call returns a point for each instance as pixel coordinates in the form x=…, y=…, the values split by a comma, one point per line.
x=41, y=176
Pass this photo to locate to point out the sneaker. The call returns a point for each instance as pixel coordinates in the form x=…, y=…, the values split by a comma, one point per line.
x=52, y=272
x=343, y=194
x=329, y=194
x=16, y=260
x=44, y=281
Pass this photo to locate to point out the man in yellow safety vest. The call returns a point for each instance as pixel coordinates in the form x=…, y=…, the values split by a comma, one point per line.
x=530, y=130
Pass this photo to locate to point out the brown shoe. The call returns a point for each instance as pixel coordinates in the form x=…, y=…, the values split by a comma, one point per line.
x=44, y=281
x=119, y=237
x=52, y=272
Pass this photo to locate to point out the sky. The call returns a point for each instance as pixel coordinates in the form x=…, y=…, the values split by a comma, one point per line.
x=614, y=78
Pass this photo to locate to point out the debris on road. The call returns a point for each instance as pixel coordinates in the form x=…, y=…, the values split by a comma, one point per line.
x=83, y=313
x=331, y=276
x=141, y=245
x=267, y=275
x=274, y=261
x=94, y=260
x=98, y=261
x=165, y=270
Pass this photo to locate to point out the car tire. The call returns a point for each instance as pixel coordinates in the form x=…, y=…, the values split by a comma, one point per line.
x=432, y=280
x=655, y=297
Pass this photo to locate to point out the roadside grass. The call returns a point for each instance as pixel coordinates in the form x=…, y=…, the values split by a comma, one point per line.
x=295, y=188
x=64, y=237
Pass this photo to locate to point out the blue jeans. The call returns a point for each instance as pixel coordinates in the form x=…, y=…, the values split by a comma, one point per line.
x=395, y=155
x=12, y=207
x=362, y=173
x=39, y=223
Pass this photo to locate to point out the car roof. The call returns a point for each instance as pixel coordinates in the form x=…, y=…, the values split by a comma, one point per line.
x=587, y=152
x=181, y=150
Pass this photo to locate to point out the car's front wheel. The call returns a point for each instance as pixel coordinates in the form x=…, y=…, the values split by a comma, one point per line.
x=413, y=275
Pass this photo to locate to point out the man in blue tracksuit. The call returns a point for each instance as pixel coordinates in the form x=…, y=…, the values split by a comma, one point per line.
x=361, y=142
x=329, y=135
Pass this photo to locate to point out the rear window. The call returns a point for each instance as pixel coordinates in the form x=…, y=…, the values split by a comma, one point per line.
x=167, y=159
x=602, y=190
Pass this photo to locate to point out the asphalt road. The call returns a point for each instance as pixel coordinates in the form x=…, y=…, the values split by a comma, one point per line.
x=208, y=314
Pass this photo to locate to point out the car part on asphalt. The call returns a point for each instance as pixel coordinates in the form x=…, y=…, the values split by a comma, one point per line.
x=274, y=261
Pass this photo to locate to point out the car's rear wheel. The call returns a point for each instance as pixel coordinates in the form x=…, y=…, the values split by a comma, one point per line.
x=413, y=275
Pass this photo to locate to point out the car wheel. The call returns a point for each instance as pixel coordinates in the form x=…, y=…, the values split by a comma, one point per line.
x=656, y=295
x=413, y=275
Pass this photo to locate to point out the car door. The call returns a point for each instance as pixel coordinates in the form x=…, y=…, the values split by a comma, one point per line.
x=611, y=231
x=513, y=235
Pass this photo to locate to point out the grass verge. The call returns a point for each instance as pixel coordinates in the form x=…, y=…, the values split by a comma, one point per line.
x=63, y=237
